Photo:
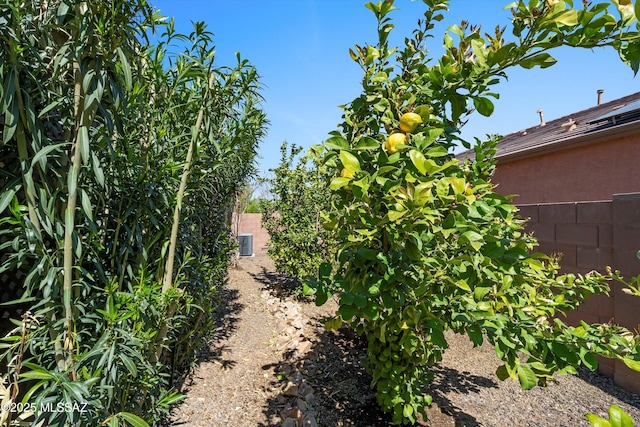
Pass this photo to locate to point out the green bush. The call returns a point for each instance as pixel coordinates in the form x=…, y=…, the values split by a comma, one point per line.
x=120, y=170
x=425, y=244
x=298, y=243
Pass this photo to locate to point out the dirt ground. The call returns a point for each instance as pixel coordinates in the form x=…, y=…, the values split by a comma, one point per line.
x=272, y=363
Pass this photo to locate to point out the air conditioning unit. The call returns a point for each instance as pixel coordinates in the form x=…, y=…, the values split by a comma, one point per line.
x=245, y=241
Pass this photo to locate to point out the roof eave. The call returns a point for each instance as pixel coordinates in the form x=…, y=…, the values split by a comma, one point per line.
x=619, y=131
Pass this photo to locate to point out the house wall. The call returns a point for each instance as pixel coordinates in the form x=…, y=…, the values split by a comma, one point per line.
x=591, y=236
x=590, y=172
x=251, y=223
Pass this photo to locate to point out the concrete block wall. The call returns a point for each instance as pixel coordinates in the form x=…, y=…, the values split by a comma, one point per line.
x=590, y=236
x=251, y=223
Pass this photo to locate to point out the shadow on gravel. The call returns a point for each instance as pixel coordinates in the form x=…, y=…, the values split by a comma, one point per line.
x=448, y=380
x=607, y=385
x=226, y=317
x=334, y=369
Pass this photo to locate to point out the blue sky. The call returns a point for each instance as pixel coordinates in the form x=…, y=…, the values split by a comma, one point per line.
x=300, y=48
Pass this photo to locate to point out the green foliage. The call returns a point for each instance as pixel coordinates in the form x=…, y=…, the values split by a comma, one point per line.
x=254, y=205
x=298, y=243
x=116, y=158
x=617, y=418
x=426, y=246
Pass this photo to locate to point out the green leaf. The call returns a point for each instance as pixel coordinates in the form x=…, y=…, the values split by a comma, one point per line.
x=462, y=284
x=128, y=363
x=337, y=143
x=69, y=220
x=395, y=215
x=526, y=377
x=97, y=170
x=412, y=250
x=347, y=312
x=349, y=161
x=126, y=68
x=5, y=199
x=132, y=419
x=418, y=159
x=542, y=60
x=474, y=238
x=632, y=364
x=43, y=152
x=308, y=290
x=438, y=151
x=83, y=142
x=568, y=17
x=339, y=182
x=86, y=204
x=597, y=421
x=502, y=373
x=483, y=105
x=37, y=375
x=588, y=359
x=407, y=411
x=475, y=334
x=72, y=180
x=367, y=143
x=619, y=418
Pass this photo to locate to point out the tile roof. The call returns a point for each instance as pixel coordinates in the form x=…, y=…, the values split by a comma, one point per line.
x=597, y=119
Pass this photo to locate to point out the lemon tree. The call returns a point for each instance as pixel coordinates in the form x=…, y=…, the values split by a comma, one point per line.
x=426, y=245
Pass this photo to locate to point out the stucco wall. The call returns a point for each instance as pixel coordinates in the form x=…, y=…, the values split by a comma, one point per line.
x=591, y=236
x=590, y=172
x=251, y=224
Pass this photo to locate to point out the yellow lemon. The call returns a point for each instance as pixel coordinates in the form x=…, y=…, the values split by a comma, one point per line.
x=346, y=173
x=409, y=121
x=393, y=140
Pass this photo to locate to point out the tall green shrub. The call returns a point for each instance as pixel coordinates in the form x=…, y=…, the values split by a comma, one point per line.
x=425, y=244
x=298, y=243
x=117, y=157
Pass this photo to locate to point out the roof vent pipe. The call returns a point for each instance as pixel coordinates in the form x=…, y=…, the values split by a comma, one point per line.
x=542, y=123
x=600, y=92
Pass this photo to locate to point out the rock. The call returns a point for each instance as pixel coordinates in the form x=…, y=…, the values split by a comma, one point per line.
x=304, y=347
x=310, y=398
x=298, y=323
x=302, y=404
x=289, y=422
x=291, y=389
x=309, y=420
x=282, y=342
x=285, y=369
x=306, y=389
x=292, y=414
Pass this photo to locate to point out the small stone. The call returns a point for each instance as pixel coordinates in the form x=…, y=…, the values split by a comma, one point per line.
x=310, y=398
x=304, y=347
x=309, y=421
x=297, y=323
x=291, y=389
x=302, y=404
x=282, y=342
x=289, y=422
x=288, y=412
x=306, y=389
x=297, y=377
x=293, y=332
x=285, y=369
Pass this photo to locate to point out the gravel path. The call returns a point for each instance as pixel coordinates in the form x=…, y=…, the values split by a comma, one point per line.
x=272, y=363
